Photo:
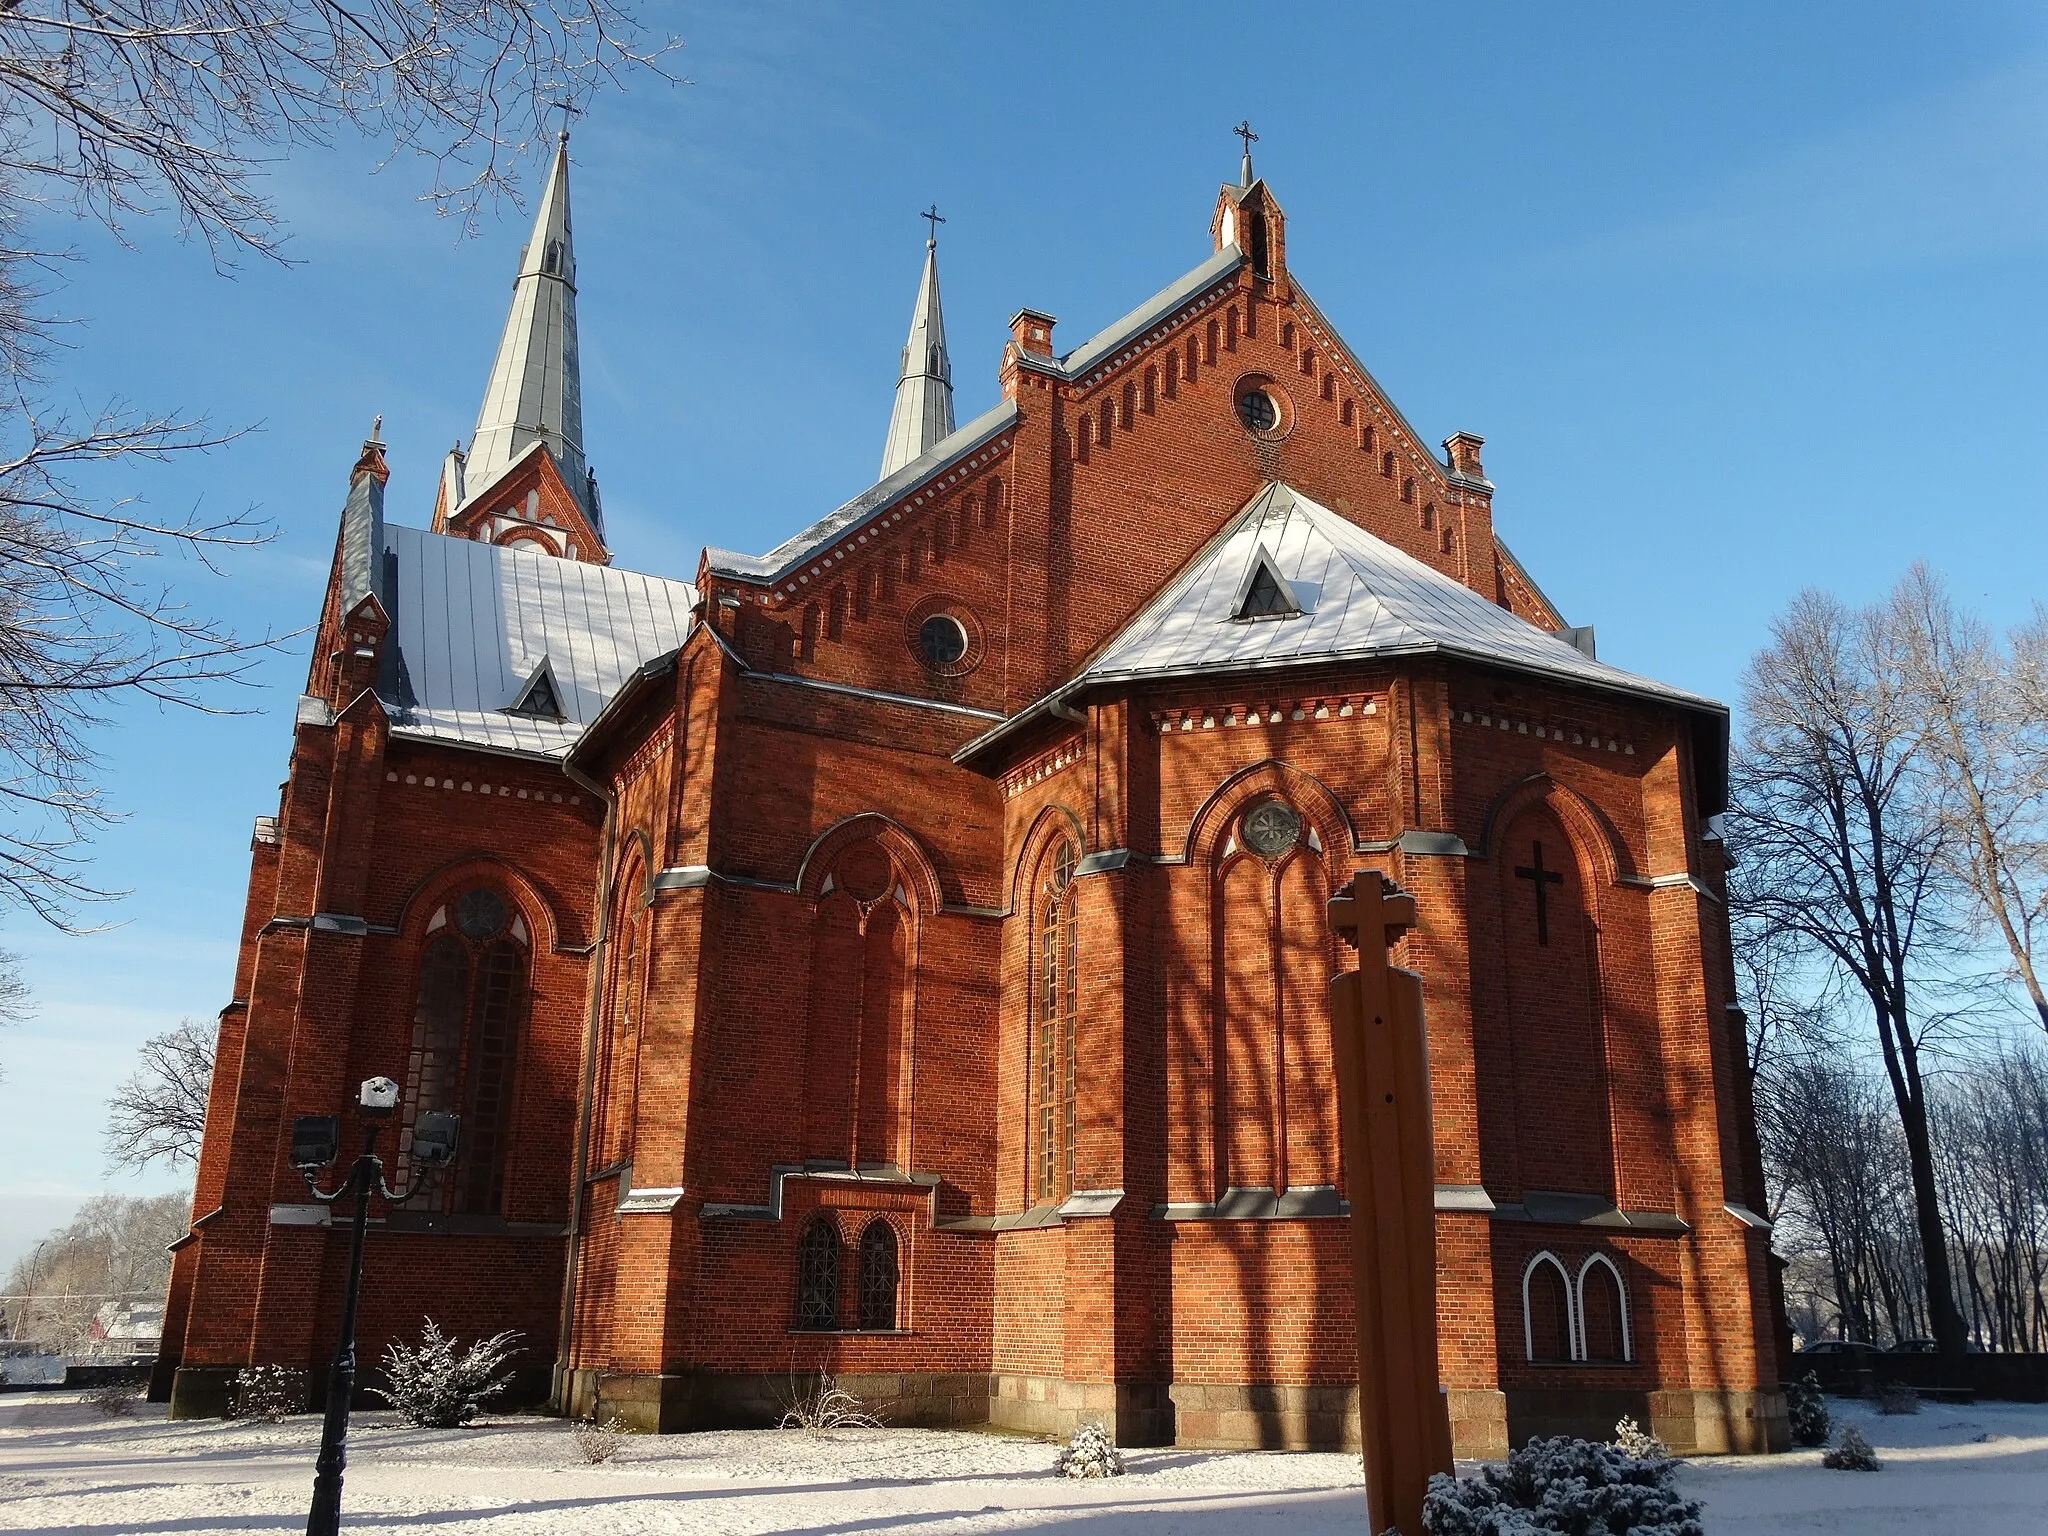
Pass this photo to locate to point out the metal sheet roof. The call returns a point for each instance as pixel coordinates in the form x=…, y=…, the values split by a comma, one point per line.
x=475, y=622
x=1359, y=598
x=942, y=456
x=1162, y=304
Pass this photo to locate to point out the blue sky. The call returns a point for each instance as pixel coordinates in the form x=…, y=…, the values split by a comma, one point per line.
x=1743, y=298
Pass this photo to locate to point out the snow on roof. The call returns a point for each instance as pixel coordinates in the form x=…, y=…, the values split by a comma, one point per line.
x=476, y=621
x=1358, y=598
x=1159, y=307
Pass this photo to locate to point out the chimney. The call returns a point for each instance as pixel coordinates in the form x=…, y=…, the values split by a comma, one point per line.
x=1032, y=329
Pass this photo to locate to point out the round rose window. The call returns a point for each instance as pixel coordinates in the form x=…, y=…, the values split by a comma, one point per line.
x=1272, y=828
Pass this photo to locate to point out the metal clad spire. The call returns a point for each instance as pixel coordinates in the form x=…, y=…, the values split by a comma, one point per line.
x=536, y=389
x=1244, y=131
x=924, y=387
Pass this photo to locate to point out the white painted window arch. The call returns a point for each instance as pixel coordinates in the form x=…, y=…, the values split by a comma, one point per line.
x=1581, y=1350
x=1571, y=1320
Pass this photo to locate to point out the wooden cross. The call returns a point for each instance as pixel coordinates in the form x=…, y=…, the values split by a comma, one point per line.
x=932, y=216
x=1244, y=131
x=1542, y=877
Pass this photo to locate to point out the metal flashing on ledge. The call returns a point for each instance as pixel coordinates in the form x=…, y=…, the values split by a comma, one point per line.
x=1259, y=1203
x=683, y=877
x=1463, y=1197
x=340, y=922
x=1101, y=861
x=872, y=1173
x=878, y=695
x=1014, y=1221
x=299, y=1216
x=1559, y=1208
x=1091, y=1202
x=1448, y=844
x=312, y=711
x=638, y=1202
x=1747, y=1217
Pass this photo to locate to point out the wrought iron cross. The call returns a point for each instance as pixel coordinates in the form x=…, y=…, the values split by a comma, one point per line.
x=568, y=109
x=933, y=217
x=1244, y=131
x=1543, y=877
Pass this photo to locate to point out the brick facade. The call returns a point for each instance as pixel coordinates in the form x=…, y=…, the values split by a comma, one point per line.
x=793, y=957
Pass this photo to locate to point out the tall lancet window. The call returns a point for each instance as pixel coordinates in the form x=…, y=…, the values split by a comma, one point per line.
x=1058, y=998
x=468, y=1011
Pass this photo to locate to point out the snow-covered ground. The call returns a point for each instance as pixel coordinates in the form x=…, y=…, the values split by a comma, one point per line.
x=65, y=1468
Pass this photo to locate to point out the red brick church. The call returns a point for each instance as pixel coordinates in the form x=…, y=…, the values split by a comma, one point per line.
x=902, y=952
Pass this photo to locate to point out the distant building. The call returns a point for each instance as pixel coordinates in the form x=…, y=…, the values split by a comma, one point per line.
x=903, y=952
x=124, y=1330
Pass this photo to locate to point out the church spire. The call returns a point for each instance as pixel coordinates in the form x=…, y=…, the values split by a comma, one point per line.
x=924, y=388
x=535, y=392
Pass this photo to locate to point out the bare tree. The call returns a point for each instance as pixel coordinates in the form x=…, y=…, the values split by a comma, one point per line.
x=122, y=106
x=14, y=1004
x=160, y=1111
x=119, y=107
x=1833, y=808
x=116, y=1249
x=1984, y=709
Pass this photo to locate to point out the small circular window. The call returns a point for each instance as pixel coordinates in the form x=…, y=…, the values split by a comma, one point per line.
x=1258, y=410
x=941, y=640
x=480, y=913
x=1272, y=827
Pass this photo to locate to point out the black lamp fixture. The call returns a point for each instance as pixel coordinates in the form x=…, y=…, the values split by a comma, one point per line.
x=316, y=1141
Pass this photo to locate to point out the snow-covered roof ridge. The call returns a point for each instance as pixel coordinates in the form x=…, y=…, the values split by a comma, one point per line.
x=476, y=622
x=1358, y=598
x=941, y=457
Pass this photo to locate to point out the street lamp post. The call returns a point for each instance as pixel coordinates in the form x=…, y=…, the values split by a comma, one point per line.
x=316, y=1139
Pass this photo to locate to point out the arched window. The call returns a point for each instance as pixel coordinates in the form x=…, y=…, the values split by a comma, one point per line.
x=878, y=1275
x=468, y=1010
x=1547, y=1312
x=1603, y=1312
x=1058, y=1007
x=817, y=1276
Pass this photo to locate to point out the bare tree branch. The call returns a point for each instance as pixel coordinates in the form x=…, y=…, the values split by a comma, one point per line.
x=160, y=1111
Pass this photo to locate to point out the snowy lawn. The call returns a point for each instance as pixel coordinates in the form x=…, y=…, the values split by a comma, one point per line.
x=65, y=1468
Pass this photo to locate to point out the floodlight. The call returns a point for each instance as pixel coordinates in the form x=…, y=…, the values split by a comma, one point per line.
x=379, y=1096
x=433, y=1138
x=315, y=1141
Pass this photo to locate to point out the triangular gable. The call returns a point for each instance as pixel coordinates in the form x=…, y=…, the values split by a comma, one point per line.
x=529, y=504
x=1361, y=599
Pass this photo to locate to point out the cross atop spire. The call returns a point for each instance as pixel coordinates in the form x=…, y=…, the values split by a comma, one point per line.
x=1244, y=131
x=924, y=383
x=535, y=394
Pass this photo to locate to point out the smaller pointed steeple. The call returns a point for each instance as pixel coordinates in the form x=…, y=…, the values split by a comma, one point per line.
x=535, y=392
x=924, y=385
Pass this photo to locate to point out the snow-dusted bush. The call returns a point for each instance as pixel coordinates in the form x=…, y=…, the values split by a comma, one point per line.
x=1091, y=1453
x=270, y=1393
x=1807, y=1408
x=438, y=1384
x=600, y=1442
x=1631, y=1439
x=1563, y=1485
x=116, y=1399
x=821, y=1405
x=1851, y=1453
x=1895, y=1397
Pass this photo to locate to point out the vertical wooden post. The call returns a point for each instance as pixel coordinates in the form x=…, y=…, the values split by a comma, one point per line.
x=1382, y=1060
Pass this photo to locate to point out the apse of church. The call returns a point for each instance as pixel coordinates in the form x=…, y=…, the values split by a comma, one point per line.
x=904, y=953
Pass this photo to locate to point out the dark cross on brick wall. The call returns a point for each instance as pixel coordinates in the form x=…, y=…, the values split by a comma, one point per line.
x=1543, y=877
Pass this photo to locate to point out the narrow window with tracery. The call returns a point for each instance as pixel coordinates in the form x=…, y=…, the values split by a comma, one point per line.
x=817, y=1277
x=468, y=1011
x=878, y=1272
x=1058, y=1027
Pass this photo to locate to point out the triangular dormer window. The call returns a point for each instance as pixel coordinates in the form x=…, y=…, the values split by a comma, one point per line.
x=539, y=699
x=1265, y=593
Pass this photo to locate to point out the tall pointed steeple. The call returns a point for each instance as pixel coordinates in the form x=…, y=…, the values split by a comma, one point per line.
x=924, y=388
x=536, y=388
